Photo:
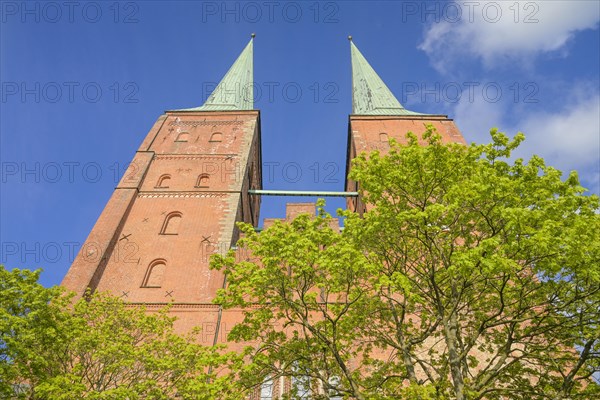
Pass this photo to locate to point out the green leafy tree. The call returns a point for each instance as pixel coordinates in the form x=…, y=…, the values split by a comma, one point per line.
x=100, y=348
x=469, y=277
x=298, y=290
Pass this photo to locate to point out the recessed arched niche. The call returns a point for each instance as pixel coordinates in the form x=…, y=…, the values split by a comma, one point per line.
x=171, y=224
x=203, y=181
x=216, y=137
x=155, y=274
x=183, y=137
x=163, y=181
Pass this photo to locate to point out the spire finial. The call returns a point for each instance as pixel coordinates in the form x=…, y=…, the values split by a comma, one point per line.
x=236, y=90
x=370, y=95
x=253, y=35
x=349, y=37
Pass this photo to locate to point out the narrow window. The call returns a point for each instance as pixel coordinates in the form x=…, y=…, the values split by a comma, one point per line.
x=266, y=389
x=216, y=137
x=203, y=181
x=250, y=176
x=171, y=224
x=334, y=381
x=301, y=384
x=154, y=274
x=383, y=137
x=163, y=181
x=183, y=137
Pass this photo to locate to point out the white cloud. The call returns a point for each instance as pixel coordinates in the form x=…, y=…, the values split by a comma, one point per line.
x=568, y=139
x=496, y=31
x=476, y=118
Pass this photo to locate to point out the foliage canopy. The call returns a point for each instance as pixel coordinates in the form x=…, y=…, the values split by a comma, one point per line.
x=100, y=348
x=469, y=276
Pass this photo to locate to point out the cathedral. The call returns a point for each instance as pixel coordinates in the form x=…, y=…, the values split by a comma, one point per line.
x=195, y=175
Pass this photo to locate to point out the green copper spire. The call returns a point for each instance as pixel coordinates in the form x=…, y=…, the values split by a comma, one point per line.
x=236, y=90
x=370, y=96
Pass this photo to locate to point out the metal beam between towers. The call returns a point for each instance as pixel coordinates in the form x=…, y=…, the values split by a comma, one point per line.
x=301, y=193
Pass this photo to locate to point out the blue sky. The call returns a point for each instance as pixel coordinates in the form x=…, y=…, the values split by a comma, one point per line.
x=83, y=82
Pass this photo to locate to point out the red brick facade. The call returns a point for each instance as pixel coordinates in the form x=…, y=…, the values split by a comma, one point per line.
x=187, y=187
x=177, y=203
x=368, y=133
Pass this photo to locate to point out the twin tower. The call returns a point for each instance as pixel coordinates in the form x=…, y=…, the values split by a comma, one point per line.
x=188, y=184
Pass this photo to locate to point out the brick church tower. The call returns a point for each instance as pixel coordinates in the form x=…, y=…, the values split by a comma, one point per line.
x=177, y=203
x=378, y=116
x=189, y=183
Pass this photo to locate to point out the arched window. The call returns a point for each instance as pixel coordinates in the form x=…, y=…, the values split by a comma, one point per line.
x=163, y=181
x=383, y=137
x=183, y=137
x=154, y=274
x=203, y=181
x=171, y=224
x=216, y=137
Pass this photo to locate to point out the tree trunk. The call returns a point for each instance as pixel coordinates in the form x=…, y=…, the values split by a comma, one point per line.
x=450, y=332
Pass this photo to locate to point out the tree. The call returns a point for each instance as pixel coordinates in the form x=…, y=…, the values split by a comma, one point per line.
x=285, y=290
x=469, y=277
x=100, y=348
